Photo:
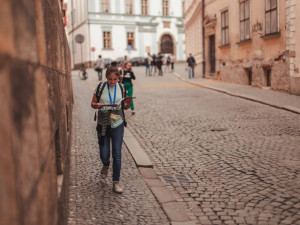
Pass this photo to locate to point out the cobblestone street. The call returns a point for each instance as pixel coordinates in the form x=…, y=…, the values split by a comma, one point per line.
x=229, y=160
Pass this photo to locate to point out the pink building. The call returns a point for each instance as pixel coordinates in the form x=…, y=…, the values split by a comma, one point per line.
x=250, y=42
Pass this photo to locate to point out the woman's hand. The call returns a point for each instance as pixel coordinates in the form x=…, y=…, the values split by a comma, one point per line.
x=98, y=105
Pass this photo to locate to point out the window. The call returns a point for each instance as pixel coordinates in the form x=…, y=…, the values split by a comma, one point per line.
x=271, y=16
x=129, y=6
x=106, y=40
x=244, y=20
x=165, y=7
x=130, y=39
x=105, y=6
x=225, y=28
x=144, y=7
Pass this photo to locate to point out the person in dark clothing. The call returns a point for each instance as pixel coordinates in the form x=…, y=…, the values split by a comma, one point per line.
x=127, y=76
x=159, y=64
x=191, y=64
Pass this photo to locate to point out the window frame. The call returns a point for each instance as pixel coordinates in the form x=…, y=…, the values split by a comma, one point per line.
x=165, y=7
x=225, y=27
x=145, y=5
x=244, y=20
x=129, y=7
x=132, y=38
x=107, y=40
x=105, y=5
x=269, y=12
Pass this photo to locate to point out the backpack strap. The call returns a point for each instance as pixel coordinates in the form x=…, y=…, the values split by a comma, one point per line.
x=124, y=94
x=100, y=89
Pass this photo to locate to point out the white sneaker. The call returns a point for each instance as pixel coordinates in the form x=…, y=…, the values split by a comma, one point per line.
x=117, y=188
x=104, y=171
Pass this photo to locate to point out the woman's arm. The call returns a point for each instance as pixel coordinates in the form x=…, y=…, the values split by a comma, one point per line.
x=95, y=104
x=132, y=74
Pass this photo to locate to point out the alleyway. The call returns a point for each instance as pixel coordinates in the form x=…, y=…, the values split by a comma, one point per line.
x=240, y=160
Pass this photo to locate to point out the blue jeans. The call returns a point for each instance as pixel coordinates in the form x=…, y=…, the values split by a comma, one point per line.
x=116, y=136
x=191, y=72
x=148, y=69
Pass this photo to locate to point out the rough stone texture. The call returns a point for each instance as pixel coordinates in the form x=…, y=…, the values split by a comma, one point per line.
x=36, y=106
x=280, y=76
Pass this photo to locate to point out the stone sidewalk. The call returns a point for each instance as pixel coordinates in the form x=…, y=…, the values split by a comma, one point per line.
x=265, y=96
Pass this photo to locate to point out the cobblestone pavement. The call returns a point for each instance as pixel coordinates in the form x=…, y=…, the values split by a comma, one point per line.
x=91, y=198
x=241, y=159
x=276, y=97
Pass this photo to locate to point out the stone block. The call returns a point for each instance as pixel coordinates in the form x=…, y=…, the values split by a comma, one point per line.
x=43, y=121
x=154, y=183
x=6, y=28
x=8, y=187
x=163, y=194
x=25, y=30
x=148, y=173
x=175, y=211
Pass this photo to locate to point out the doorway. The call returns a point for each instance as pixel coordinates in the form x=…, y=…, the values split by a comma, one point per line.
x=212, y=54
x=267, y=78
x=166, y=45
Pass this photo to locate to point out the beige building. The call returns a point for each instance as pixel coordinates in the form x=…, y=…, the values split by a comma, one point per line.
x=250, y=42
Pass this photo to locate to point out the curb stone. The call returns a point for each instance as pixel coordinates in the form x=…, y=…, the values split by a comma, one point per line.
x=174, y=210
x=250, y=98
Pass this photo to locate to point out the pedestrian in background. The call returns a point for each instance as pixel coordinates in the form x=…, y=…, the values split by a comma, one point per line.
x=172, y=63
x=159, y=64
x=127, y=76
x=110, y=123
x=123, y=61
x=99, y=65
x=191, y=64
x=168, y=63
x=148, y=64
x=153, y=64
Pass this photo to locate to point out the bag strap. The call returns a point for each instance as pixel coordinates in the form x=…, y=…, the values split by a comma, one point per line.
x=100, y=89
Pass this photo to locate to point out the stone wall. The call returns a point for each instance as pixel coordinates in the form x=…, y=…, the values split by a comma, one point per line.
x=36, y=108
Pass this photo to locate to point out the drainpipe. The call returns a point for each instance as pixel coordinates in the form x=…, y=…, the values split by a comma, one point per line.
x=203, y=39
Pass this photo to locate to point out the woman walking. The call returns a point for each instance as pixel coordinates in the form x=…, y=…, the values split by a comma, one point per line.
x=127, y=76
x=110, y=122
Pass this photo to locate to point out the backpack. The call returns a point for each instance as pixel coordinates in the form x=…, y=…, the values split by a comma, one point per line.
x=99, y=91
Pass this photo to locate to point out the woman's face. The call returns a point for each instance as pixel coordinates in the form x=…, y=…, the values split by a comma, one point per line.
x=128, y=66
x=112, y=79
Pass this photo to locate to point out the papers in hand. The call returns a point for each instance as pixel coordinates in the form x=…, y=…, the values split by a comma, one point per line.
x=118, y=105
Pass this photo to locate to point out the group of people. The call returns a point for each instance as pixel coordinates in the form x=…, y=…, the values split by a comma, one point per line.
x=155, y=63
x=110, y=99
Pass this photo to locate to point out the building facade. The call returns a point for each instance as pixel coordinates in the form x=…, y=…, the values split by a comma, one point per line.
x=250, y=42
x=115, y=28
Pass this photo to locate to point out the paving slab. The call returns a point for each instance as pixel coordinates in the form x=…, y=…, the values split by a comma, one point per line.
x=163, y=194
x=154, y=183
x=148, y=173
x=183, y=223
x=176, y=211
x=140, y=157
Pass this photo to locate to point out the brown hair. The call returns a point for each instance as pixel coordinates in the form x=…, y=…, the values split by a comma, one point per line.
x=125, y=64
x=113, y=68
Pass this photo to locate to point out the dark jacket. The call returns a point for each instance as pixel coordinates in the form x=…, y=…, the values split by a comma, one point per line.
x=191, y=61
x=128, y=76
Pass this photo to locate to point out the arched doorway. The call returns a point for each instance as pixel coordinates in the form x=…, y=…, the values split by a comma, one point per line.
x=166, y=44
